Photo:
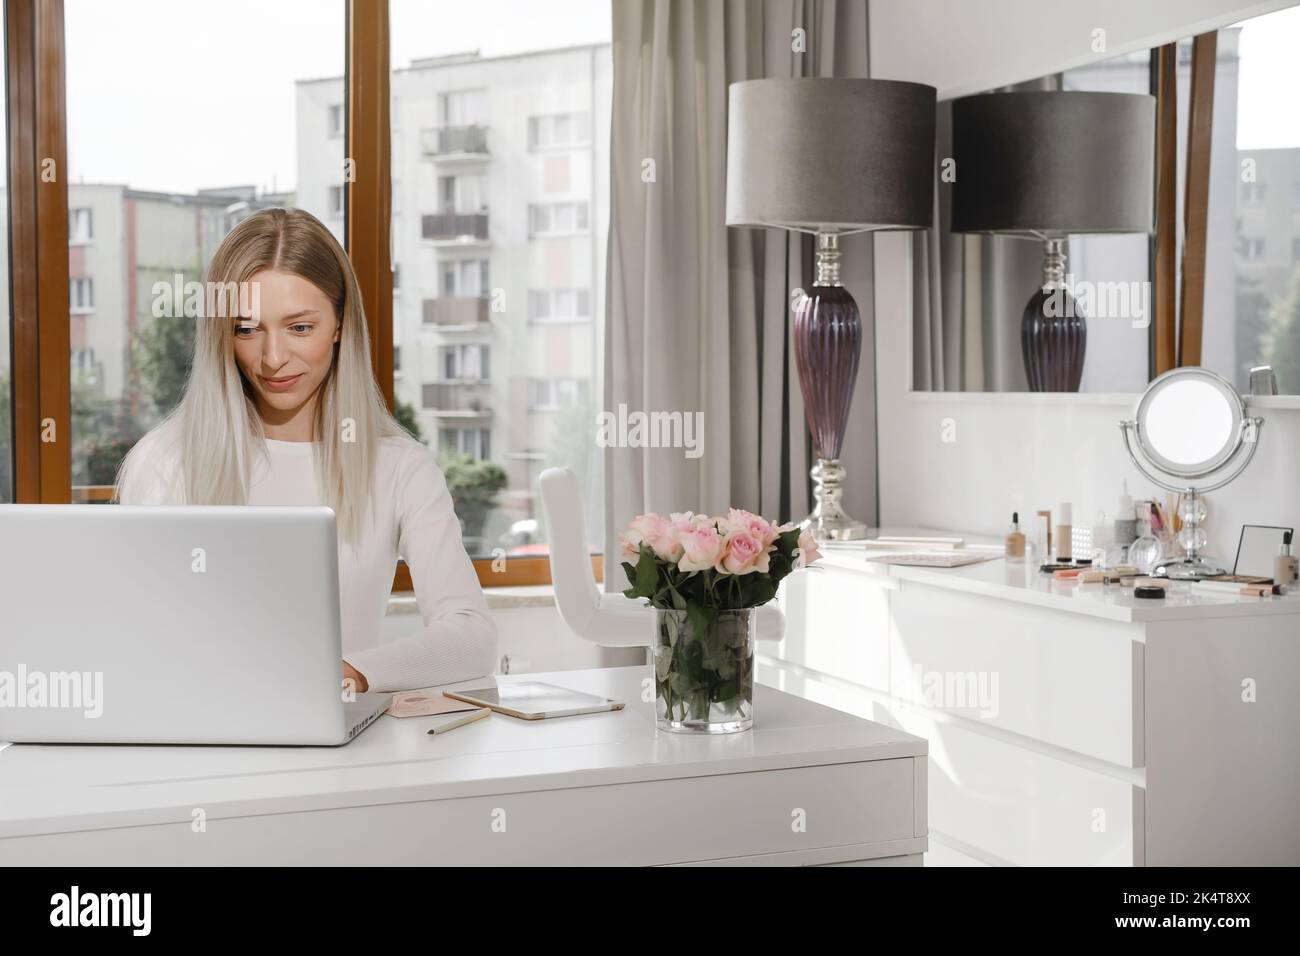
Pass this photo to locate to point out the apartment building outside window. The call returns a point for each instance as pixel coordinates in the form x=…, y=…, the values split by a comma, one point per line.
x=336, y=119
x=463, y=278
x=467, y=362
x=463, y=108
x=475, y=442
x=548, y=394
x=336, y=202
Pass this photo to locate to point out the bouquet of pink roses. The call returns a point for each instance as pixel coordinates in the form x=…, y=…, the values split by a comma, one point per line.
x=721, y=563
x=704, y=576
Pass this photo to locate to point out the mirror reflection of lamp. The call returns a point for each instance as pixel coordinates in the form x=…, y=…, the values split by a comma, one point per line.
x=1047, y=165
x=1191, y=425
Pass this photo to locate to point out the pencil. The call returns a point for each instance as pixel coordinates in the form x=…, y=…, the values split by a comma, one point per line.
x=469, y=718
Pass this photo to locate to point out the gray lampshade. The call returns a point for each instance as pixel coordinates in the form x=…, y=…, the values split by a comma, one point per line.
x=1054, y=163
x=830, y=154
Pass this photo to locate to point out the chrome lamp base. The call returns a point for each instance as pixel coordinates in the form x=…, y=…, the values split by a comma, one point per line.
x=828, y=521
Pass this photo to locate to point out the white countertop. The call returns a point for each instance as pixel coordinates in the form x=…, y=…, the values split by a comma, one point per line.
x=1025, y=583
x=49, y=789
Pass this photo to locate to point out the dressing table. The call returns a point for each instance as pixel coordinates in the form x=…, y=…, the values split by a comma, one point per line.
x=1068, y=724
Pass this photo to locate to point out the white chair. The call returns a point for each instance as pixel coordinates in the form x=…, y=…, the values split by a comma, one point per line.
x=610, y=620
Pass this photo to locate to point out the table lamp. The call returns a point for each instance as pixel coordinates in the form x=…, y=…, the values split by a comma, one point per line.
x=830, y=157
x=1048, y=165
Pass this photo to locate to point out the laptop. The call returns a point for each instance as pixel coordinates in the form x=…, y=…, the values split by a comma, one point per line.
x=196, y=624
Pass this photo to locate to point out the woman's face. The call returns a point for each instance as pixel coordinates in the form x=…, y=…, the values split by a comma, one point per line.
x=286, y=352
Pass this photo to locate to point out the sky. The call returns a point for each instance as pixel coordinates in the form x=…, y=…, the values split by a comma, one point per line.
x=178, y=95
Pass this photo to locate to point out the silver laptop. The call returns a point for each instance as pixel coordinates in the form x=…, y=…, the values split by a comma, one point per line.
x=173, y=625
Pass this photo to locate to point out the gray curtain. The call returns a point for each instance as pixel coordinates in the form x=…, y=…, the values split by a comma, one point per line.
x=969, y=291
x=698, y=315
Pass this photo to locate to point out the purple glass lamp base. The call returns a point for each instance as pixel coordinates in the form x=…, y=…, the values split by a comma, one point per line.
x=1053, y=340
x=827, y=348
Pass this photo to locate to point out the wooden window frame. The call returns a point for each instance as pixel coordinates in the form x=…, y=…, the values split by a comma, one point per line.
x=36, y=65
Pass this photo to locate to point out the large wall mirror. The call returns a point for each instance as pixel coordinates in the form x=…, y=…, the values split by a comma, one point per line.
x=972, y=287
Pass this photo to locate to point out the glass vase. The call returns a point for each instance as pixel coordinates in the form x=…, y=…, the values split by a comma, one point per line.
x=704, y=671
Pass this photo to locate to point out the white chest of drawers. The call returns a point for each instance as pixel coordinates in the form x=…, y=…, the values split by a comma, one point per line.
x=1068, y=724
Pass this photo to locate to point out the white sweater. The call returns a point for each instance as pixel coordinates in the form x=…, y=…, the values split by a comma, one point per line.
x=414, y=519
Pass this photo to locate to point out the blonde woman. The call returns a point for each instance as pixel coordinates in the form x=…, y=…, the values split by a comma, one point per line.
x=281, y=408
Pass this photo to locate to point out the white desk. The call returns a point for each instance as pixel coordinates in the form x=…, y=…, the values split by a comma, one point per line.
x=594, y=789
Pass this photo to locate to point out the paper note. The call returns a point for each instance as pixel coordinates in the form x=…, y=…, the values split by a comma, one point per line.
x=418, y=703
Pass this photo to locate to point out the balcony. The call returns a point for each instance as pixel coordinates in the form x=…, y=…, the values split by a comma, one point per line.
x=464, y=398
x=456, y=311
x=451, y=143
x=455, y=228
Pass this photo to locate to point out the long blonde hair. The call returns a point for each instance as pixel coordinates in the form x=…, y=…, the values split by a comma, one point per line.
x=215, y=428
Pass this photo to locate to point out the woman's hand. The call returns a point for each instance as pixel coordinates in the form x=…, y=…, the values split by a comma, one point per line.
x=358, y=679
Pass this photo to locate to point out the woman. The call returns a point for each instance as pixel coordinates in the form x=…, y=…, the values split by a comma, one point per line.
x=281, y=408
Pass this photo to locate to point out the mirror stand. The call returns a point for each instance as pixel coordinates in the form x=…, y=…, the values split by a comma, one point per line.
x=1194, y=566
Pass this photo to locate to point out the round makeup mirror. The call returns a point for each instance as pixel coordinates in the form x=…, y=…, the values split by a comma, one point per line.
x=1190, y=433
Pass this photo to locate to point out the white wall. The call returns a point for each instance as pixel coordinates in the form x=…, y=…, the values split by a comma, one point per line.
x=1019, y=452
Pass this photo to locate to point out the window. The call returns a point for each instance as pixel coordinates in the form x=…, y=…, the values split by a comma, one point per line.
x=463, y=278
x=501, y=278
x=462, y=107
x=167, y=210
x=79, y=226
x=559, y=130
x=557, y=218
x=81, y=295
x=546, y=394
x=462, y=194
x=475, y=442
x=1252, y=252
x=559, y=305
x=465, y=362
x=397, y=359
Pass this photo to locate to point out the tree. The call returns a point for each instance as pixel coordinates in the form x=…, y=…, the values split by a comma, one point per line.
x=406, y=417
x=163, y=357
x=1280, y=343
x=474, y=485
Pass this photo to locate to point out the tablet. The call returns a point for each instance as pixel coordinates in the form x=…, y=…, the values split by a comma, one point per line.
x=533, y=700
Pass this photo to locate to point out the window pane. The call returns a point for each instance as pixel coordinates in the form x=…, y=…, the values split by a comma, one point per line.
x=6, y=379
x=159, y=172
x=1252, y=252
x=491, y=236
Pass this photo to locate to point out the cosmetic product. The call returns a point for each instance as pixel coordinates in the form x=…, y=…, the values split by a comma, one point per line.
x=1054, y=566
x=1064, y=532
x=1286, y=567
x=1228, y=588
x=1043, y=534
x=1015, y=543
x=1066, y=574
x=1148, y=591
x=1125, y=526
x=1147, y=582
x=1122, y=570
x=1083, y=562
x=1092, y=577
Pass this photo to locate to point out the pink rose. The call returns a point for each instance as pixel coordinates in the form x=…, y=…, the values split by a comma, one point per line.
x=808, y=552
x=738, y=520
x=745, y=552
x=654, y=531
x=702, y=547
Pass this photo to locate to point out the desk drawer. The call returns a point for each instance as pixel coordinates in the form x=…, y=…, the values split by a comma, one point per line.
x=1063, y=678
x=837, y=623
x=1024, y=807
x=850, y=811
